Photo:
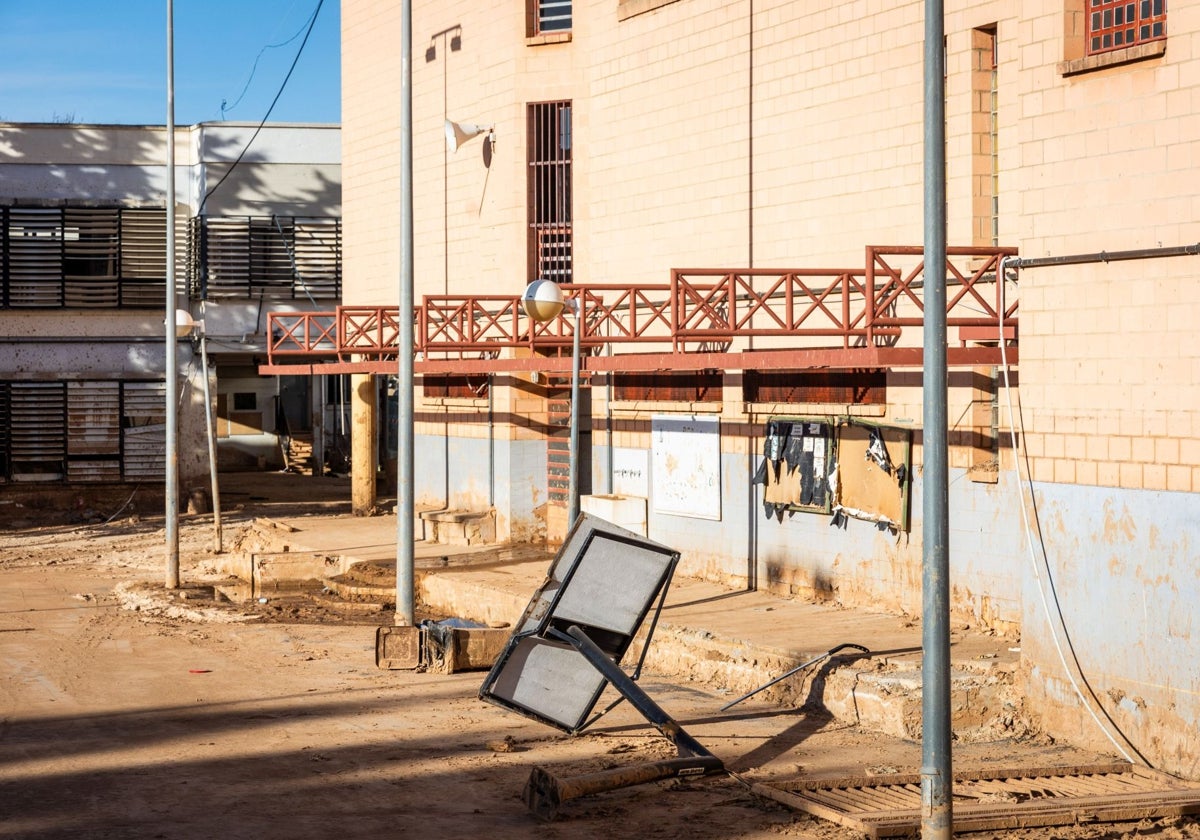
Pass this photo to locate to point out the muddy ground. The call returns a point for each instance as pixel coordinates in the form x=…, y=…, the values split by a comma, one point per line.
x=126, y=714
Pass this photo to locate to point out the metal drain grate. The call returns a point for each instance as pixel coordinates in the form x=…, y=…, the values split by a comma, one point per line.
x=890, y=806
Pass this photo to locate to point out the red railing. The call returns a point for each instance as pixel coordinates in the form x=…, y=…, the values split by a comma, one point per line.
x=699, y=311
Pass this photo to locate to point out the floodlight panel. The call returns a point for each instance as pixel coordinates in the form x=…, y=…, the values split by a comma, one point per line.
x=549, y=681
x=604, y=579
x=614, y=584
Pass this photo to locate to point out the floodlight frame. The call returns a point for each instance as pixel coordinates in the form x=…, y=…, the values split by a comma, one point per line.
x=539, y=625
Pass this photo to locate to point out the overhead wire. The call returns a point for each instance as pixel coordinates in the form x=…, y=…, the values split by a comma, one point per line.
x=254, y=67
x=311, y=23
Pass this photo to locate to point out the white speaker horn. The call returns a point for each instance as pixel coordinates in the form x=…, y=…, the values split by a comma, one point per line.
x=459, y=133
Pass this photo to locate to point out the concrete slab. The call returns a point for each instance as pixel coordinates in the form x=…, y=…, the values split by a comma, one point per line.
x=730, y=640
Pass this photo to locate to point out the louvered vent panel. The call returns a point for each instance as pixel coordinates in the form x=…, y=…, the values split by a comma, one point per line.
x=318, y=244
x=227, y=246
x=37, y=430
x=145, y=430
x=143, y=257
x=35, y=250
x=271, y=271
x=90, y=257
x=93, y=431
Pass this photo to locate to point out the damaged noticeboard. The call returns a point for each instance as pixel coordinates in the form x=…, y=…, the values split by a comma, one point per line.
x=797, y=457
x=874, y=465
x=840, y=467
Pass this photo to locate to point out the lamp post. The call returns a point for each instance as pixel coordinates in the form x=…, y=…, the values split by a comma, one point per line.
x=171, y=379
x=543, y=301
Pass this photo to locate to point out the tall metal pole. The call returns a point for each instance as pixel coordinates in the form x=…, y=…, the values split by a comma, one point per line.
x=171, y=477
x=404, y=351
x=937, y=818
x=573, y=441
x=218, y=545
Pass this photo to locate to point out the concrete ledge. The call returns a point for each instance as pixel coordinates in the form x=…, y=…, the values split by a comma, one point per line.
x=882, y=694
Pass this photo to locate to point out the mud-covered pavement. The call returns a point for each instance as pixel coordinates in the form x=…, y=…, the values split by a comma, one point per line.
x=120, y=719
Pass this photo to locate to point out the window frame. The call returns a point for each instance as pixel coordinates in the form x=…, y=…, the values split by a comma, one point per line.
x=1107, y=27
x=536, y=32
x=1078, y=59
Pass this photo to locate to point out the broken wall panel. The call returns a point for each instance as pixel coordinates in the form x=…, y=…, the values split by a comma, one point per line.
x=874, y=467
x=799, y=455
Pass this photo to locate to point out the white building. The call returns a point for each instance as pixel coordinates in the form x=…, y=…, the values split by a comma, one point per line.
x=82, y=292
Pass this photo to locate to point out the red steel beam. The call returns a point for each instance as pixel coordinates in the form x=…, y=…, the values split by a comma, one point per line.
x=697, y=309
x=808, y=359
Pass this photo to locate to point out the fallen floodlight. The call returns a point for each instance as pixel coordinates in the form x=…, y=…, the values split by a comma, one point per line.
x=567, y=648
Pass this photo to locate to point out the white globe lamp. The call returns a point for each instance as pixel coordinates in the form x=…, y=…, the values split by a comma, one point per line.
x=543, y=300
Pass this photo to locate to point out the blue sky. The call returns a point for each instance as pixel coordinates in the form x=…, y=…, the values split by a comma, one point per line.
x=104, y=61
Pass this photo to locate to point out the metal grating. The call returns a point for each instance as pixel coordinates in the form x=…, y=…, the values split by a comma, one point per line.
x=890, y=805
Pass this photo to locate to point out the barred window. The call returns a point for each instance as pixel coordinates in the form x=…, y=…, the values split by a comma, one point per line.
x=550, y=234
x=548, y=16
x=1115, y=24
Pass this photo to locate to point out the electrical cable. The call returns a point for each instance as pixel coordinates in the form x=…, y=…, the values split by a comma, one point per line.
x=254, y=66
x=1041, y=580
x=311, y=23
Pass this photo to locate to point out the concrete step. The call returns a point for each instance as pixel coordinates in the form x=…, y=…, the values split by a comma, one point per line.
x=460, y=527
x=730, y=641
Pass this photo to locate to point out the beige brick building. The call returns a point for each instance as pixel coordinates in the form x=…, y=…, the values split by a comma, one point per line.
x=633, y=137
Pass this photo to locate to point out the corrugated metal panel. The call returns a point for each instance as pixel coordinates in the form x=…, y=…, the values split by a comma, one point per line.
x=93, y=431
x=36, y=427
x=90, y=250
x=35, y=250
x=145, y=428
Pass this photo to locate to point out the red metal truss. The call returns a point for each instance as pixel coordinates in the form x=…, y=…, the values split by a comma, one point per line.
x=754, y=319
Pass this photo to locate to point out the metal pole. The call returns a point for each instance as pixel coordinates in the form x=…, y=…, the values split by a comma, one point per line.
x=573, y=443
x=404, y=384
x=937, y=819
x=171, y=467
x=212, y=445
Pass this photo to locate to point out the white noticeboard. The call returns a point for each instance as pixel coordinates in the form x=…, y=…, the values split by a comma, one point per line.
x=631, y=472
x=685, y=469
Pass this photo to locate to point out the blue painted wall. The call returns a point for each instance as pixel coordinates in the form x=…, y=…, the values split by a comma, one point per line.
x=857, y=563
x=1125, y=567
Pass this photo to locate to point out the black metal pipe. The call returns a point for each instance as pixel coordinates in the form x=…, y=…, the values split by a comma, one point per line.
x=1106, y=256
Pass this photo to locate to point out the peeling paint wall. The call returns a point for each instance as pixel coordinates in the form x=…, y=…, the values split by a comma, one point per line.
x=1125, y=570
x=517, y=480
